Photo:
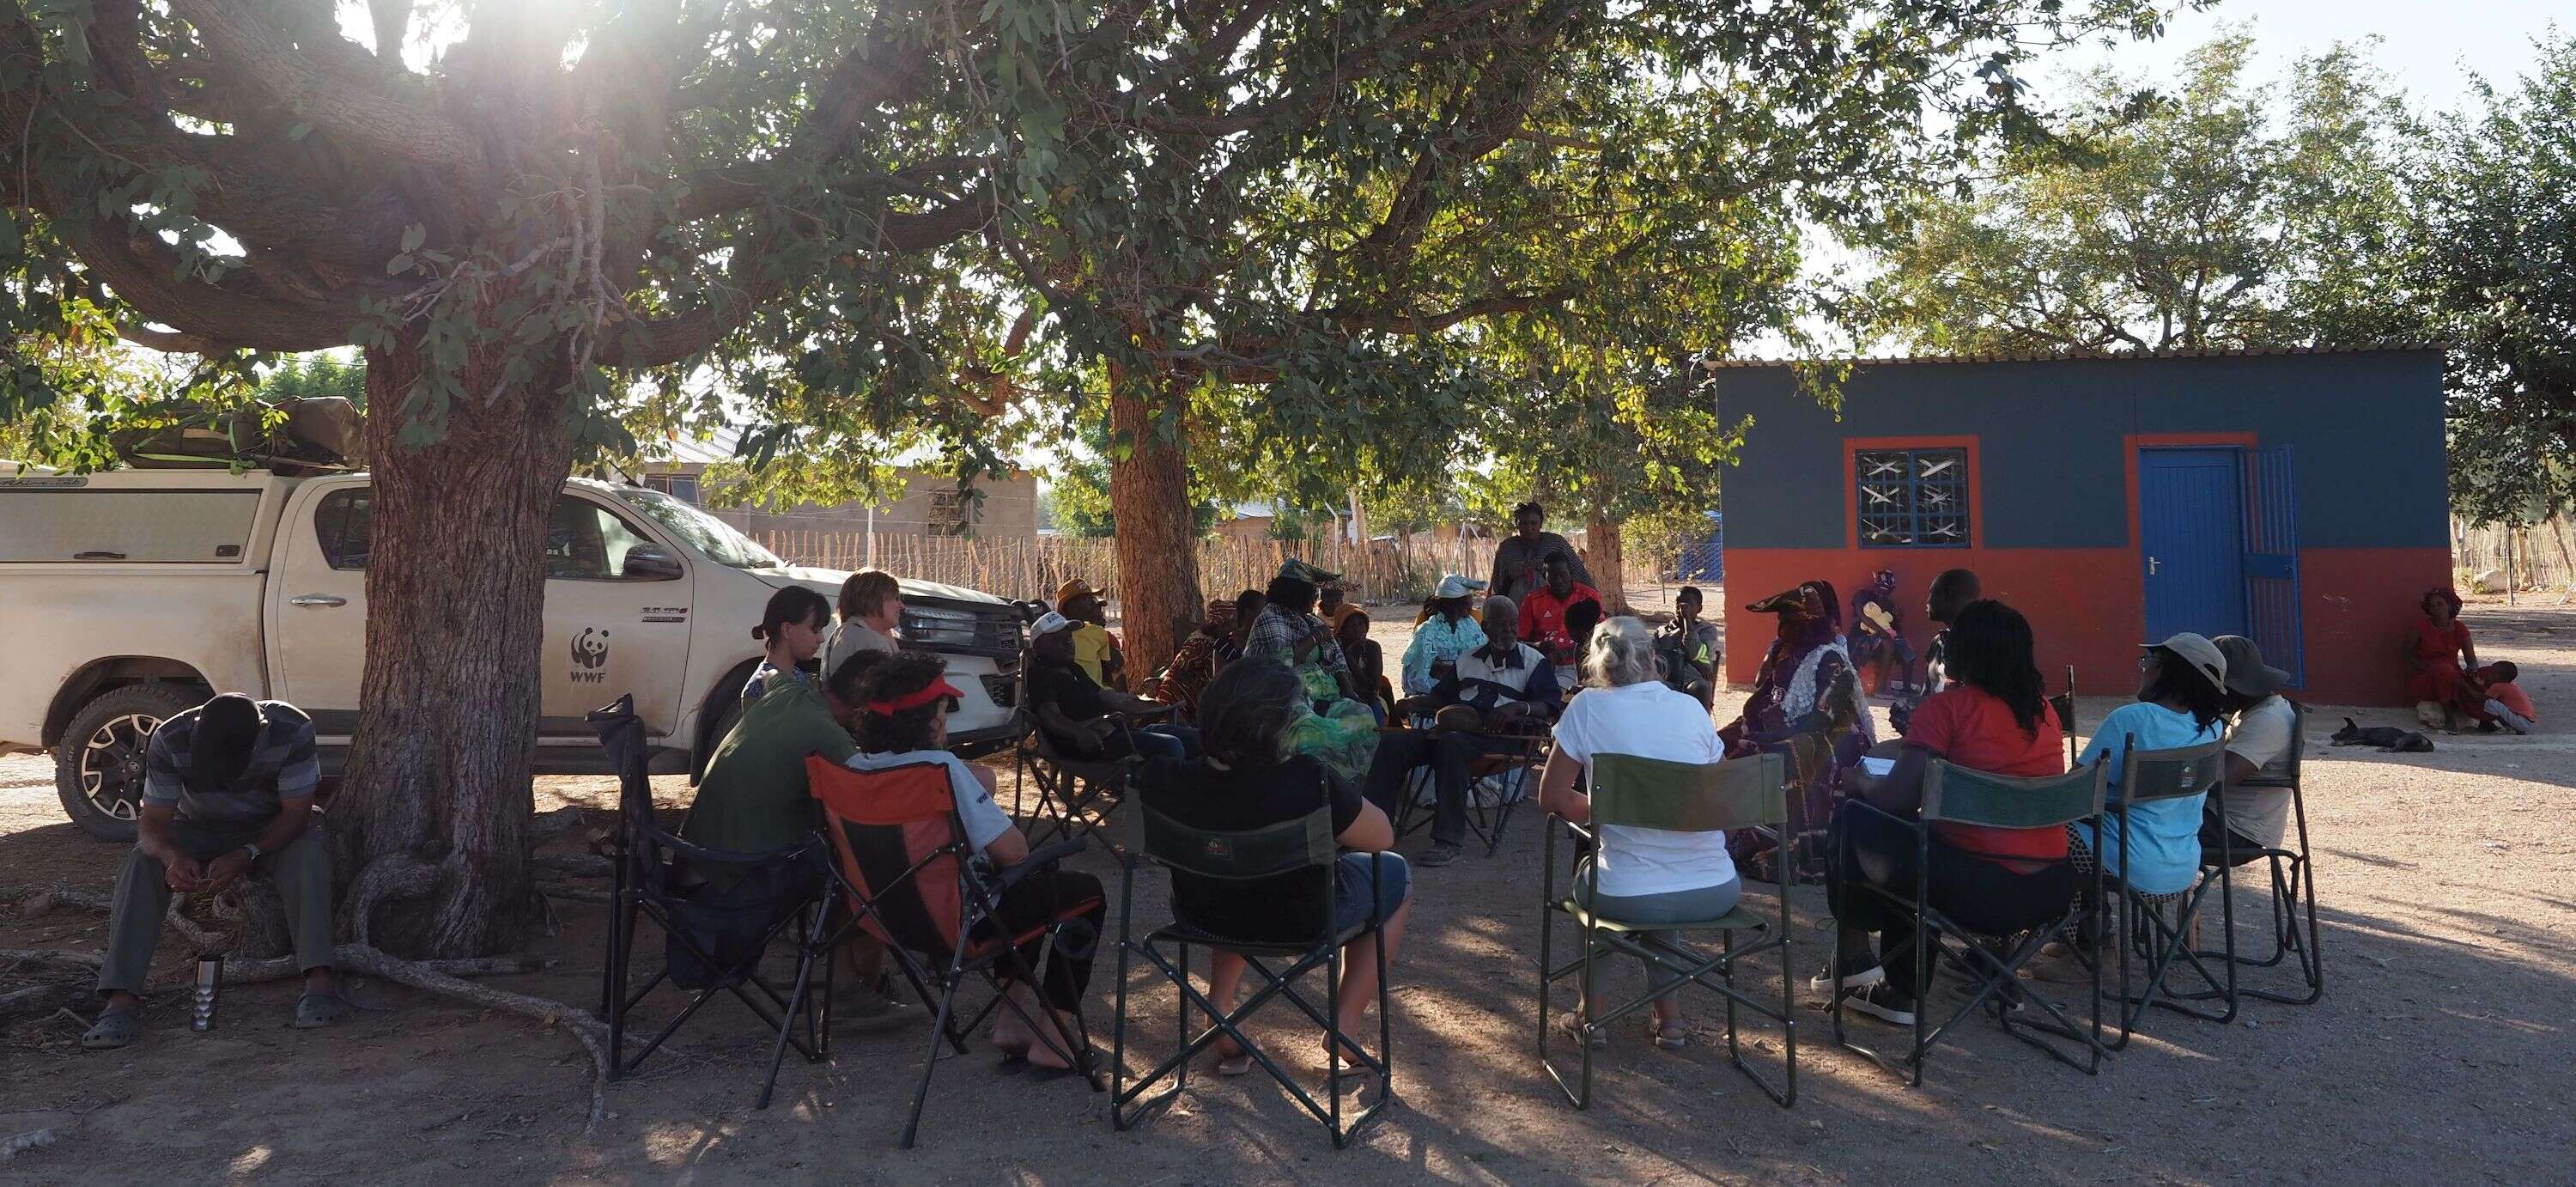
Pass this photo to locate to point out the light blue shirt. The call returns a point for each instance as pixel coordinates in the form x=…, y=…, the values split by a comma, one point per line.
x=1435, y=640
x=2164, y=836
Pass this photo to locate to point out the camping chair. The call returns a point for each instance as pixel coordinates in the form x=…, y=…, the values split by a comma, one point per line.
x=2064, y=703
x=1074, y=798
x=1512, y=762
x=1303, y=844
x=1679, y=797
x=2158, y=928
x=1962, y=796
x=2294, y=890
x=906, y=875
x=719, y=910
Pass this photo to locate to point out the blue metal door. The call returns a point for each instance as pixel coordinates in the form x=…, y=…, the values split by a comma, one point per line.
x=2191, y=528
x=2272, y=563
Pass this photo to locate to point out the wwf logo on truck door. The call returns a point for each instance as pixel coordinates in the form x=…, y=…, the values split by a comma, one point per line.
x=590, y=656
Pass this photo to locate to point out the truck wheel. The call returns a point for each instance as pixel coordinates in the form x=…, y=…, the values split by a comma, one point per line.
x=98, y=765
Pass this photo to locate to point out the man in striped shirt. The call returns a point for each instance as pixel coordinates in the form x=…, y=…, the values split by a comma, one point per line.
x=227, y=788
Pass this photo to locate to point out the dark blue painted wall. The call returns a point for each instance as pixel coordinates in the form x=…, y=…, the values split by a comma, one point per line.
x=2365, y=427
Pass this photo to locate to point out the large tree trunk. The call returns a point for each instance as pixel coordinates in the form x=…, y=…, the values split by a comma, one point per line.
x=430, y=829
x=1603, y=556
x=1158, y=555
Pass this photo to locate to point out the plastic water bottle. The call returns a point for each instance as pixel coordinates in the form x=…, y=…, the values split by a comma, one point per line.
x=210, y=981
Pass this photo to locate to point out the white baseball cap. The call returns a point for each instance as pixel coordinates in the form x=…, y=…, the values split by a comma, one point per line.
x=1048, y=624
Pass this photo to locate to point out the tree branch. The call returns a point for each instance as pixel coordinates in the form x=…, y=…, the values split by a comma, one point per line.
x=249, y=46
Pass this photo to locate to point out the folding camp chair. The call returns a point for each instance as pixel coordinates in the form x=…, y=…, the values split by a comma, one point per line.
x=1075, y=794
x=2064, y=703
x=719, y=910
x=1511, y=761
x=1962, y=796
x=2294, y=890
x=1289, y=847
x=1678, y=797
x=906, y=874
x=2157, y=928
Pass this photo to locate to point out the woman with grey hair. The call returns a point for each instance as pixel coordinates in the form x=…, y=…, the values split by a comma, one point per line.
x=1637, y=875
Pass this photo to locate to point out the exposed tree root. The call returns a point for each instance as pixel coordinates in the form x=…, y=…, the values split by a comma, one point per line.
x=441, y=977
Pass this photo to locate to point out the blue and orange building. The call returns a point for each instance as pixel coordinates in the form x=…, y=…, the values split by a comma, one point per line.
x=2298, y=497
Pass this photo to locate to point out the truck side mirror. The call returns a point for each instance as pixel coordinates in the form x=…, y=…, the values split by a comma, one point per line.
x=651, y=562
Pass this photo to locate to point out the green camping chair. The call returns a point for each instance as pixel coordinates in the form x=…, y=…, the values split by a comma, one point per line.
x=1677, y=797
x=2294, y=888
x=1305, y=843
x=2157, y=928
x=1962, y=796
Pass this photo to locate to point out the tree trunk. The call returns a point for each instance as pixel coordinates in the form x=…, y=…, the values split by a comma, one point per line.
x=1601, y=542
x=431, y=826
x=1149, y=494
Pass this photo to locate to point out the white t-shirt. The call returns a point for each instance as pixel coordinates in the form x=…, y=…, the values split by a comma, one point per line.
x=1648, y=720
x=2262, y=737
x=984, y=819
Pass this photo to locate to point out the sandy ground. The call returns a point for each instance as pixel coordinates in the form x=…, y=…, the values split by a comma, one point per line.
x=2439, y=1053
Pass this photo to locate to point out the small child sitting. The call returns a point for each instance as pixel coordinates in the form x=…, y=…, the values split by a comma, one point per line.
x=2505, y=699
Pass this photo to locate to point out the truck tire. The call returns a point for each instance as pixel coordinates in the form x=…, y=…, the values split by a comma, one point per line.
x=98, y=764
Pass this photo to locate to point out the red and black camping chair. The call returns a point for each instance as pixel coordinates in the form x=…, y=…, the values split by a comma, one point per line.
x=905, y=873
x=719, y=911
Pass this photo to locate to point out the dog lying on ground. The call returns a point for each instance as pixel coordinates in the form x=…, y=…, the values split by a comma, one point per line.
x=2387, y=737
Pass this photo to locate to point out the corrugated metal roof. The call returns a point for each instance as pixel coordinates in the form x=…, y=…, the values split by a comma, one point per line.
x=2071, y=356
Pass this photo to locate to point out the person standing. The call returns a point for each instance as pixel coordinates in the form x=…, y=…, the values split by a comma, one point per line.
x=871, y=607
x=1520, y=560
x=227, y=789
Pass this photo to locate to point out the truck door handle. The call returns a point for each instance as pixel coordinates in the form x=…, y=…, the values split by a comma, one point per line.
x=318, y=600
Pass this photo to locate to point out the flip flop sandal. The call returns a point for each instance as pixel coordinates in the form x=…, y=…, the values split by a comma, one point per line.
x=114, y=1029
x=1232, y=1065
x=316, y=1010
x=1669, y=1036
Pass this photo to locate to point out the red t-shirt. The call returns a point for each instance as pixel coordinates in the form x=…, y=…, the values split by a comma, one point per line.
x=1973, y=728
x=1543, y=616
x=2514, y=698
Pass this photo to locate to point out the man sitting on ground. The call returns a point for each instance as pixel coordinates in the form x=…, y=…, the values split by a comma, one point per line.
x=1094, y=648
x=1083, y=718
x=2506, y=701
x=227, y=789
x=1439, y=640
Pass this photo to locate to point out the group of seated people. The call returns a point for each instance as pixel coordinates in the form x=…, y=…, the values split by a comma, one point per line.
x=1984, y=707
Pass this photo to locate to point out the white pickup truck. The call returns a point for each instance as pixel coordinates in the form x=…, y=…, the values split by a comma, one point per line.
x=127, y=596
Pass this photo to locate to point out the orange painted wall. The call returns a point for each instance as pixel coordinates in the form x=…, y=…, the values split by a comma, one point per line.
x=2087, y=608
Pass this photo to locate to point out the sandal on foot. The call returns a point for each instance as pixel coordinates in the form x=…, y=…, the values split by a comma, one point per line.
x=1235, y=1064
x=114, y=1029
x=315, y=1010
x=1668, y=1035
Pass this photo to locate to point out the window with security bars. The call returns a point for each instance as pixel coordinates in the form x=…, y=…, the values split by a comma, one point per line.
x=1912, y=498
x=948, y=510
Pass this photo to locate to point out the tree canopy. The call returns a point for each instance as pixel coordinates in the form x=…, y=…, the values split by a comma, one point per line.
x=2228, y=213
x=2499, y=263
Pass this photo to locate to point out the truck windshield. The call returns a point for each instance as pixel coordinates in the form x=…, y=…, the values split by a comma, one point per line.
x=705, y=532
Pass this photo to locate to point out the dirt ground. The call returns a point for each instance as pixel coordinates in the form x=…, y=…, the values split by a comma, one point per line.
x=2440, y=1052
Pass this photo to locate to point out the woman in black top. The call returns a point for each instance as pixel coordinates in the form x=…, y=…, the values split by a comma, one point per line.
x=1243, y=783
